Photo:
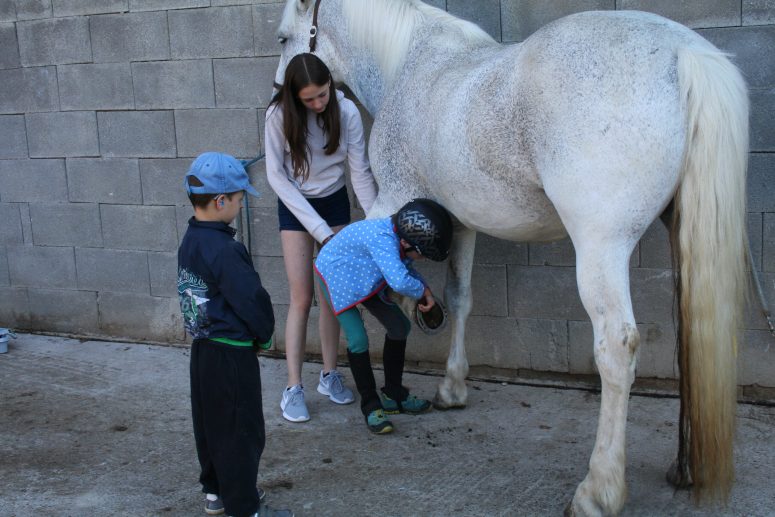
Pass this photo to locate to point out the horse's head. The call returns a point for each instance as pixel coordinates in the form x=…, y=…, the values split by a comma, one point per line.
x=298, y=33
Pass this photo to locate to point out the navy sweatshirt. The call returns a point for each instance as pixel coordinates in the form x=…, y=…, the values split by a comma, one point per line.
x=220, y=293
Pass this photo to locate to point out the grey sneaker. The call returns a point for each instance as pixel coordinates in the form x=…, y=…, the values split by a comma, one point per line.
x=215, y=506
x=333, y=386
x=292, y=404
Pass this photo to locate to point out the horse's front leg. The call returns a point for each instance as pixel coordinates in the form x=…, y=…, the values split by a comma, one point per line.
x=452, y=391
x=603, y=280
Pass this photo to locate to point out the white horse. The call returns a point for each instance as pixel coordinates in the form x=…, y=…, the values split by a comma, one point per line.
x=589, y=128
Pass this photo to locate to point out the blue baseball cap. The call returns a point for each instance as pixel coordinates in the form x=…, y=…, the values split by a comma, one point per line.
x=219, y=174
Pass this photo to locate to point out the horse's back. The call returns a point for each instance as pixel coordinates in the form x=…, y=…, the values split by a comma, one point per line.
x=587, y=107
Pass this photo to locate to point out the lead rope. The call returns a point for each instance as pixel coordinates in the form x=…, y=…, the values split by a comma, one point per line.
x=247, y=234
x=759, y=291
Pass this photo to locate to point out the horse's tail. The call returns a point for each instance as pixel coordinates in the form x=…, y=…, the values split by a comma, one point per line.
x=709, y=232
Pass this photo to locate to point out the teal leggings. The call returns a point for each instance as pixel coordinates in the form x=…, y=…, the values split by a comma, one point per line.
x=397, y=326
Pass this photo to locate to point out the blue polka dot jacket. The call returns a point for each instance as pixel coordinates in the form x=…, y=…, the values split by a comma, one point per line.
x=361, y=260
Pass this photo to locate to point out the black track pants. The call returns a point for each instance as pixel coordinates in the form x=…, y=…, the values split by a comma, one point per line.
x=228, y=422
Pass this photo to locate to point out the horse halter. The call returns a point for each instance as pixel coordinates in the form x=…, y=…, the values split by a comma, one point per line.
x=313, y=36
x=313, y=31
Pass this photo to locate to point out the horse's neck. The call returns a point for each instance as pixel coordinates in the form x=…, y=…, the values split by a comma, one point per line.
x=367, y=82
x=364, y=76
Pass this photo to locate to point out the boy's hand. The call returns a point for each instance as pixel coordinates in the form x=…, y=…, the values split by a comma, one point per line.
x=427, y=301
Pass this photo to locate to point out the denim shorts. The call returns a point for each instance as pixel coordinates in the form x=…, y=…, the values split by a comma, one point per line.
x=334, y=209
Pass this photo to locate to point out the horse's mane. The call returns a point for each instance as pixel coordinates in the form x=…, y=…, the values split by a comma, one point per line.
x=386, y=28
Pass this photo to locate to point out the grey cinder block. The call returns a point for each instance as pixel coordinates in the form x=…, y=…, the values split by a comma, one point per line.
x=581, y=355
x=112, y=180
x=709, y=13
x=491, y=250
x=112, y=270
x=441, y=4
x=652, y=295
x=493, y=342
x=244, y=82
x=66, y=224
x=266, y=20
x=137, y=134
x=755, y=233
x=25, y=90
x=55, y=41
x=755, y=359
x=211, y=33
x=268, y=198
x=183, y=213
x=768, y=251
x=758, y=12
x=68, y=133
x=33, y=180
x=5, y=277
x=82, y=7
x=143, y=317
x=754, y=316
x=163, y=268
x=761, y=187
x=655, y=247
x=558, y=253
x=14, y=307
x=150, y=228
x=13, y=135
x=273, y=277
x=11, y=229
x=521, y=18
x=174, y=84
x=106, y=86
x=233, y=131
x=657, y=355
x=24, y=212
x=763, y=120
x=130, y=37
x=42, y=266
x=33, y=9
x=7, y=10
x=489, y=290
x=162, y=181
x=9, y=47
x=547, y=343
x=161, y=5
x=751, y=49
x=73, y=312
x=484, y=13
x=265, y=234
x=544, y=293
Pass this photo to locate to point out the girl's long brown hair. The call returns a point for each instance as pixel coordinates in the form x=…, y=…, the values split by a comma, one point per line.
x=304, y=70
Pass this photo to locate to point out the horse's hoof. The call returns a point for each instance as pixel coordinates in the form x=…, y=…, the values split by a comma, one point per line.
x=443, y=405
x=678, y=476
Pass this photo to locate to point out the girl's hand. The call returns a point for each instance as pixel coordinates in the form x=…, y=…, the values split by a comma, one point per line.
x=427, y=301
x=325, y=241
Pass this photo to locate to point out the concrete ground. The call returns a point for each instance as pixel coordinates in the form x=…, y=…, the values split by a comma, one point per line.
x=91, y=428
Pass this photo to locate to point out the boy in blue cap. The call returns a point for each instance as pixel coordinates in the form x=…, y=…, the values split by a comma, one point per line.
x=227, y=312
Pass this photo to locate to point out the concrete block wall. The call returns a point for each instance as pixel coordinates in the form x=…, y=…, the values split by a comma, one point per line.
x=103, y=104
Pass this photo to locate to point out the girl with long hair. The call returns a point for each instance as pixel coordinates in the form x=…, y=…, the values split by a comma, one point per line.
x=312, y=131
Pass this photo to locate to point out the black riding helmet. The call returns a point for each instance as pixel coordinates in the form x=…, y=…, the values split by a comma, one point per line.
x=427, y=226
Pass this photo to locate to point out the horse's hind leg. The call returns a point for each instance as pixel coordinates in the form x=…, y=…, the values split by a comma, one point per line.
x=603, y=278
x=452, y=391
